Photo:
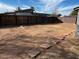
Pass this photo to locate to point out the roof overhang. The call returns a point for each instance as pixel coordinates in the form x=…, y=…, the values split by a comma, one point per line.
x=77, y=8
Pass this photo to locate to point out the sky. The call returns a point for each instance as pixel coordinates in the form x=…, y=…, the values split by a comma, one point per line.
x=64, y=7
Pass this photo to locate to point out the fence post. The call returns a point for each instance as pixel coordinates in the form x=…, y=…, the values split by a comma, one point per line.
x=16, y=19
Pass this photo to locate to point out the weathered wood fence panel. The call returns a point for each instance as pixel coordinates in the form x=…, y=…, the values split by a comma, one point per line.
x=26, y=20
x=7, y=20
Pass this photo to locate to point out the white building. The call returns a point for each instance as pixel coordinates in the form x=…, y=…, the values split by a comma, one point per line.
x=77, y=22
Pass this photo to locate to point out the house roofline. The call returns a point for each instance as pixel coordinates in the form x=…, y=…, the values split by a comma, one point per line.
x=77, y=8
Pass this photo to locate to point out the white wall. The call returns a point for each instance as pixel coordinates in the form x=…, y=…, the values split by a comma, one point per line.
x=78, y=18
x=77, y=26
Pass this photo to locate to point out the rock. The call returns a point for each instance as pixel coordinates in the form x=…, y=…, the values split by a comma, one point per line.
x=21, y=27
x=33, y=53
x=46, y=46
x=53, y=54
x=58, y=42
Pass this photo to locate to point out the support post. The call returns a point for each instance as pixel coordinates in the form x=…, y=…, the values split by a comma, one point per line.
x=77, y=25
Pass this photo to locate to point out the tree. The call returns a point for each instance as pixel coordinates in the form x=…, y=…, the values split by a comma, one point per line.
x=33, y=9
x=59, y=15
x=56, y=12
x=55, y=15
x=73, y=13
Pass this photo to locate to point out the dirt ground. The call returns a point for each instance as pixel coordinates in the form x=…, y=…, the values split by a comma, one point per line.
x=51, y=41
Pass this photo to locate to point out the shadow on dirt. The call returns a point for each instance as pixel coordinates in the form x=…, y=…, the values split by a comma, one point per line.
x=13, y=50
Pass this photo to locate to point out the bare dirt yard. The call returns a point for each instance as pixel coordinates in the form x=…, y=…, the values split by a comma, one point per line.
x=51, y=41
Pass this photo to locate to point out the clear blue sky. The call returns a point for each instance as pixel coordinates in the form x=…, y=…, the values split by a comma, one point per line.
x=44, y=6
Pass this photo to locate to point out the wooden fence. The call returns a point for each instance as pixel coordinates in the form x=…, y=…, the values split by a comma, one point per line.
x=26, y=20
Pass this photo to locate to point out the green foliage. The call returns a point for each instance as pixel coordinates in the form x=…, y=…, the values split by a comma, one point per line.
x=73, y=13
x=54, y=15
